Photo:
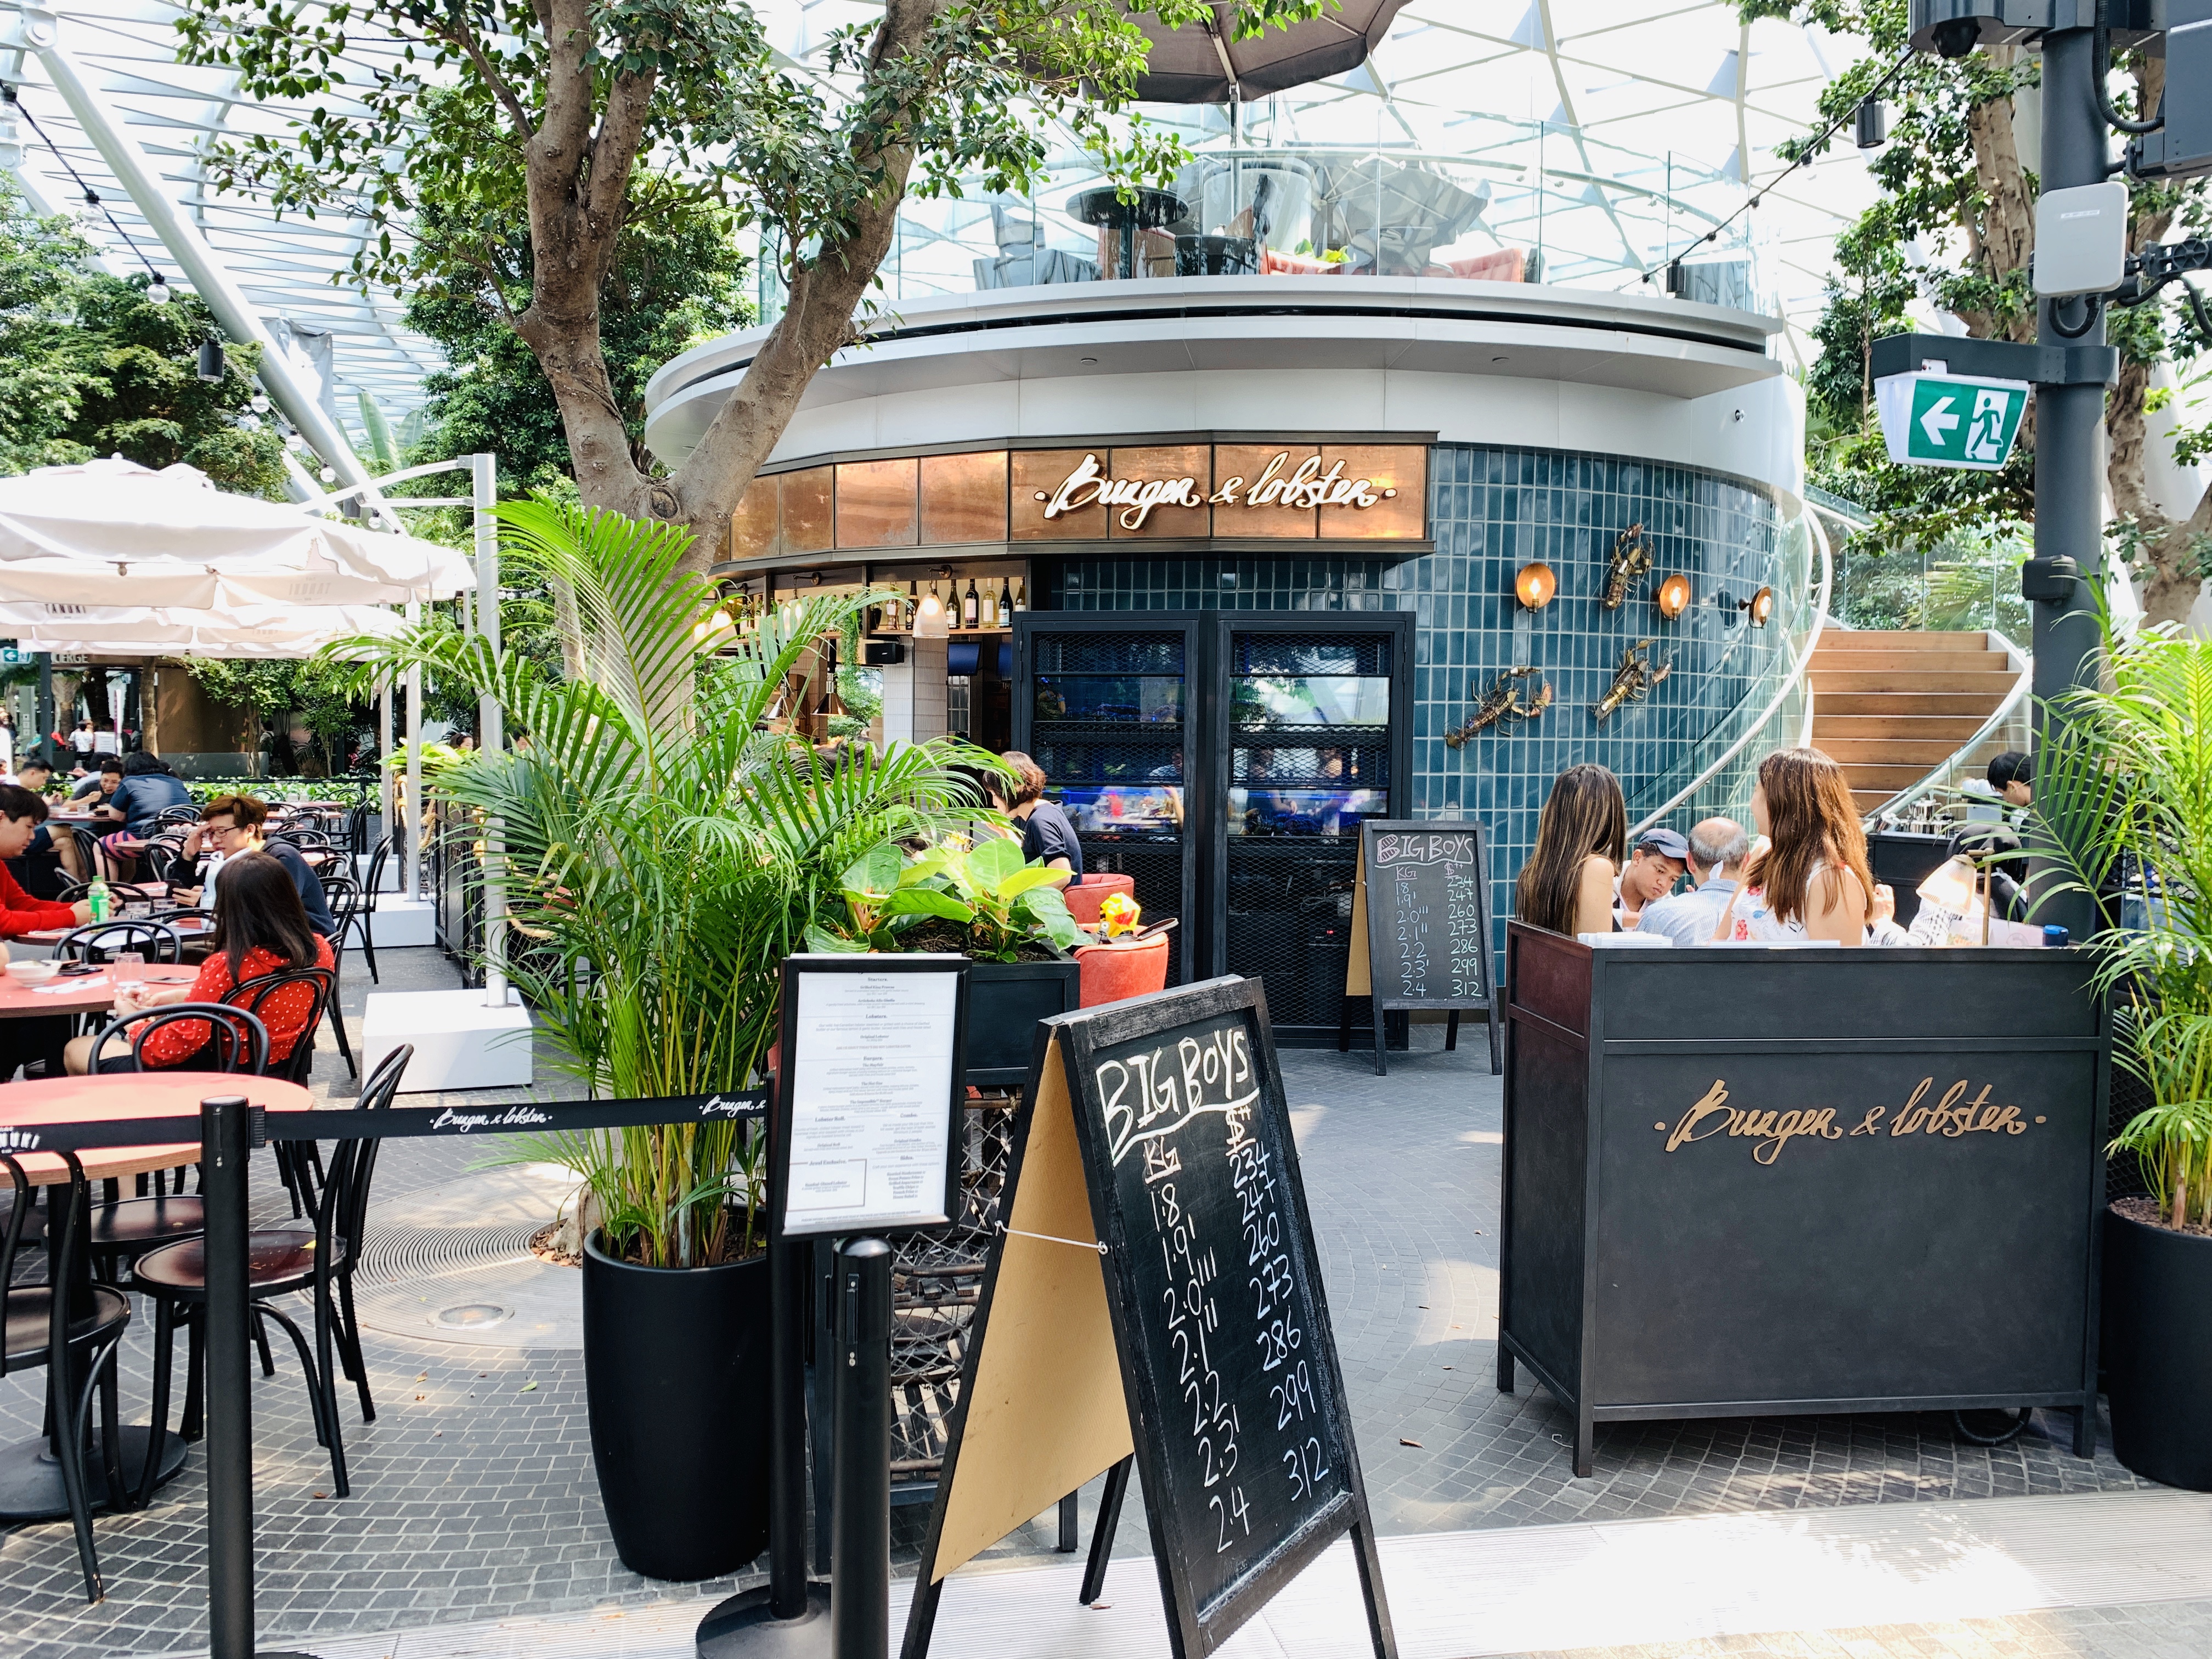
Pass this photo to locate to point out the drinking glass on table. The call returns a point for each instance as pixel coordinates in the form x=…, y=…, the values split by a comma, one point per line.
x=128, y=968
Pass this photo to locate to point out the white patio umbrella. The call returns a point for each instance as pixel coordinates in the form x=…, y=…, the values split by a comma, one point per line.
x=114, y=533
x=238, y=631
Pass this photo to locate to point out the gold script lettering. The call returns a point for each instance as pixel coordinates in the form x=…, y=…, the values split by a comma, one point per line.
x=1716, y=1100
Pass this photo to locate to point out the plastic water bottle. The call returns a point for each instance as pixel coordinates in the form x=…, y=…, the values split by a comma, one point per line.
x=102, y=901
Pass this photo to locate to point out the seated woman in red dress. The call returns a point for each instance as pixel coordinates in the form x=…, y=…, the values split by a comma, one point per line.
x=260, y=927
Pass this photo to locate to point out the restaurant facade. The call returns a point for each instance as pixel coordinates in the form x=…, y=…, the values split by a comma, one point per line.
x=1243, y=561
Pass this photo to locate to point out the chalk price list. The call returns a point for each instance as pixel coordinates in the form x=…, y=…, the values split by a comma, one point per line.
x=1290, y=1389
x=1463, y=928
x=1411, y=913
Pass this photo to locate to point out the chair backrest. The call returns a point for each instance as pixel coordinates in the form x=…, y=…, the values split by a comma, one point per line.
x=68, y=889
x=241, y=1041
x=356, y=828
x=177, y=815
x=353, y=1162
x=67, y=1209
x=255, y=994
x=98, y=941
x=302, y=837
x=341, y=892
x=374, y=884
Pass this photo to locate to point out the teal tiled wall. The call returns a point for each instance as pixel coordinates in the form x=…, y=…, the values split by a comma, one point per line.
x=1492, y=511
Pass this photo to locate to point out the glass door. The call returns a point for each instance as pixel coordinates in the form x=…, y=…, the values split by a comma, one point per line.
x=1314, y=716
x=1106, y=709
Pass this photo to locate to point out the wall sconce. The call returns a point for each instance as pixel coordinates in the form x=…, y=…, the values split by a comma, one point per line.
x=1535, y=585
x=1673, y=596
x=1761, y=604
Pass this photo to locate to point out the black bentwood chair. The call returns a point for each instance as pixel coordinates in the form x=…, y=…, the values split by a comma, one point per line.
x=299, y=1162
x=98, y=942
x=123, y=1229
x=73, y=1336
x=279, y=1264
x=363, y=913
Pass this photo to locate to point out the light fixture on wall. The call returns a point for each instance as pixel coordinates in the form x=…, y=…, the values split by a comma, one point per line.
x=931, y=621
x=1673, y=596
x=1535, y=585
x=1760, y=605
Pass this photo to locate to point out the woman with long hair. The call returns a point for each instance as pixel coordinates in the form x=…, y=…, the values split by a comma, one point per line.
x=260, y=927
x=1582, y=839
x=1811, y=881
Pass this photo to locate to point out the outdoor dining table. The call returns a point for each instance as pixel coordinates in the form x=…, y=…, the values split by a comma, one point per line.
x=30, y=1477
x=84, y=993
x=190, y=926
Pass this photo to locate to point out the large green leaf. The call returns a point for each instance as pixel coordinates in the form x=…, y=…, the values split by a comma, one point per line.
x=925, y=902
x=875, y=875
x=1035, y=875
x=992, y=862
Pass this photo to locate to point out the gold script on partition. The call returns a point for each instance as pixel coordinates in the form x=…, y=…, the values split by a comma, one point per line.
x=1959, y=1111
x=1278, y=485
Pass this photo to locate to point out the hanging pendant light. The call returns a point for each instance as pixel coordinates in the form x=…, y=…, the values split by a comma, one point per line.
x=212, y=365
x=930, y=622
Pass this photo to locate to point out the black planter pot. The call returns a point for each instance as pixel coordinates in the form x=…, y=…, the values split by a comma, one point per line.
x=1005, y=999
x=675, y=1375
x=2158, y=1351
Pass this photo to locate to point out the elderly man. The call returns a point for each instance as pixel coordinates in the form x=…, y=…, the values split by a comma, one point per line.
x=1718, y=848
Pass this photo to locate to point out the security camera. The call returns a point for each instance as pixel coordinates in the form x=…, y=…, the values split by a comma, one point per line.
x=1954, y=37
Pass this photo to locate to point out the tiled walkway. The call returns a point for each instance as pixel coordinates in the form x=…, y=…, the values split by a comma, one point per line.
x=475, y=1501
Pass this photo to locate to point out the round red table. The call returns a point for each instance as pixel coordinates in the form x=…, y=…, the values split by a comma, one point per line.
x=86, y=993
x=30, y=1478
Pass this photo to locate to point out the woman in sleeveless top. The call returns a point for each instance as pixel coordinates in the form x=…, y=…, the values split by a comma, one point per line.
x=1581, y=841
x=1810, y=883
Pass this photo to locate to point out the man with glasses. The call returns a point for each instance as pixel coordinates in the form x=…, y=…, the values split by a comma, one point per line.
x=232, y=825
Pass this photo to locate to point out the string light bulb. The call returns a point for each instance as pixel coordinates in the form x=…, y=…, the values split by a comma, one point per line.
x=157, y=291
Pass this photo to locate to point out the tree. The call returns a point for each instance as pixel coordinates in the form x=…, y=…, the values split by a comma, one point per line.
x=1953, y=231
x=270, y=692
x=546, y=111
x=89, y=366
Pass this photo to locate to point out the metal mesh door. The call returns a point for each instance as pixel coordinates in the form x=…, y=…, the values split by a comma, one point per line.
x=1308, y=734
x=1109, y=722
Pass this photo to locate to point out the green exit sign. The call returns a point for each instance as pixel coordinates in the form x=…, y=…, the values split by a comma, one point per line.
x=1950, y=420
x=11, y=658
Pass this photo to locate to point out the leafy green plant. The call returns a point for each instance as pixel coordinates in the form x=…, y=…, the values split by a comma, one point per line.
x=2123, y=799
x=663, y=847
x=985, y=888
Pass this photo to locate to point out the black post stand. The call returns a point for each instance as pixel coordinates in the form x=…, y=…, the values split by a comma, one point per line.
x=860, y=1588
x=226, y=1143
x=790, y=1619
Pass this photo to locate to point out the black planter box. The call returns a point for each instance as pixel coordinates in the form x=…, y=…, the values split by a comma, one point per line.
x=1005, y=999
x=1749, y=1182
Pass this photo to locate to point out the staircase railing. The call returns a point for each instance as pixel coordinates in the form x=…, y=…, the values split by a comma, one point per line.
x=1794, y=683
x=2009, y=720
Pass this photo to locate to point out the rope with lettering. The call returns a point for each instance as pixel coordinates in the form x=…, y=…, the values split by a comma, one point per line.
x=1096, y=1245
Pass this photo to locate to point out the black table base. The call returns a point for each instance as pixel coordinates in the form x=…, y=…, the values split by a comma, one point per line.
x=746, y=1627
x=31, y=1477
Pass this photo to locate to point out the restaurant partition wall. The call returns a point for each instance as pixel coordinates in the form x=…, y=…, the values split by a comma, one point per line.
x=1224, y=762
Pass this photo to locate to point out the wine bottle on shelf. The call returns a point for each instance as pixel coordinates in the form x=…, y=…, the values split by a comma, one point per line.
x=1006, y=604
x=989, y=614
x=971, y=606
x=912, y=603
x=1020, y=604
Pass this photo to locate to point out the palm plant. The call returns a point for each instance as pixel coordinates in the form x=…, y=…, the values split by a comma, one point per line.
x=663, y=845
x=2123, y=799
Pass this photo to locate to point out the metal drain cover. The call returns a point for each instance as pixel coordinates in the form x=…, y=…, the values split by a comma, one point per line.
x=471, y=1316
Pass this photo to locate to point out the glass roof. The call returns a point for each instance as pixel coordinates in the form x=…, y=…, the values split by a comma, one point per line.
x=1598, y=135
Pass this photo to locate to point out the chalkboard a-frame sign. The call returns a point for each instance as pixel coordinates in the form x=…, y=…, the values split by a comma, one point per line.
x=1420, y=924
x=1156, y=1289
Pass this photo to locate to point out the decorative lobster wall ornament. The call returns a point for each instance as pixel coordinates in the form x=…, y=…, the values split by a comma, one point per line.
x=1503, y=702
x=1631, y=558
x=1636, y=676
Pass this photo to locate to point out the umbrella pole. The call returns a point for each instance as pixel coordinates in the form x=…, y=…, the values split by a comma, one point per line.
x=483, y=471
x=413, y=865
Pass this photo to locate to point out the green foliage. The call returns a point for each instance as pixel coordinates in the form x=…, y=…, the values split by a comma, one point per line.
x=270, y=692
x=662, y=850
x=89, y=365
x=986, y=888
x=1969, y=579
x=2124, y=794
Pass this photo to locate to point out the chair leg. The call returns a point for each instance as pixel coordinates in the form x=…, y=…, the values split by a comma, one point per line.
x=106, y=1368
x=165, y=1342
x=192, y=1424
x=368, y=944
x=351, y=1331
x=345, y=1048
x=68, y=1443
x=319, y=1397
x=261, y=1341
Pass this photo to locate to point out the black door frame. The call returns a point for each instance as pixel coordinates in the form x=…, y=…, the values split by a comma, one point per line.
x=1399, y=626
x=1198, y=798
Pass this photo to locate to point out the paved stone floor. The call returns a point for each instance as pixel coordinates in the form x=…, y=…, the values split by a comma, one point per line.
x=474, y=1497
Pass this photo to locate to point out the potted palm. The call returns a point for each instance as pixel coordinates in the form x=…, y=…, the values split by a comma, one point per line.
x=978, y=899
x=662, y=847
x=2124, y=790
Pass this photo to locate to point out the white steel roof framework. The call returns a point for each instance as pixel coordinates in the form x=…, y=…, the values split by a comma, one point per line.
x=1642, y=125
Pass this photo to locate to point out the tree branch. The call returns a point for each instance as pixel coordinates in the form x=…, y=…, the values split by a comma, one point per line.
x=507, y=98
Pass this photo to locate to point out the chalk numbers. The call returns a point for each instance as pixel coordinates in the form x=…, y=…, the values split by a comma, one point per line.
x=1193, y=1315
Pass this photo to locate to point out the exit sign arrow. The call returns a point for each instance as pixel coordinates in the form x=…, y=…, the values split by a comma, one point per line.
x=1935, y=419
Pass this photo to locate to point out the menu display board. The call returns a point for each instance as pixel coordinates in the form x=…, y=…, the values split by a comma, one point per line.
x=1420, y=921
x=1159, y=1129
x=872, y=1091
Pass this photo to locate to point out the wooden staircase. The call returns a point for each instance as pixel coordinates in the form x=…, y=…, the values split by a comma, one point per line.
x=1891, y=706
